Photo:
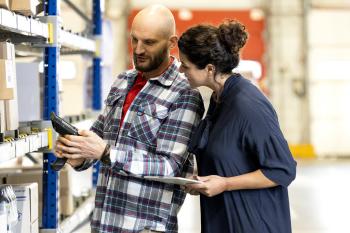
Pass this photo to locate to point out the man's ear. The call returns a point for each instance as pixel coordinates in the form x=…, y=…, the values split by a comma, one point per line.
x=173, y=41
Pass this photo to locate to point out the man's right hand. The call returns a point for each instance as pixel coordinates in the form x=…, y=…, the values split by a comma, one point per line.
x=59, y=154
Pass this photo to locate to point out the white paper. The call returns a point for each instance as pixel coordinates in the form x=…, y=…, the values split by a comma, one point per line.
x=172, y=180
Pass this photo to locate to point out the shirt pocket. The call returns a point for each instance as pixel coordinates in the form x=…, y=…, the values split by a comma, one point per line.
x=146, y=123
x=111, y=123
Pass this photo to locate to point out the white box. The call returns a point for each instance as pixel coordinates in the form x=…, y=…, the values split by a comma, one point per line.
x=45, y=30
x=44, y=139
x=8, y=19
x=36, y=27
x=22, y=146
x=27, y=205
x=23, y=23
x=7, y=151
x=33, y=145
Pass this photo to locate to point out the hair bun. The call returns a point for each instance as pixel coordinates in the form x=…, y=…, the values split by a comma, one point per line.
x=232, y=35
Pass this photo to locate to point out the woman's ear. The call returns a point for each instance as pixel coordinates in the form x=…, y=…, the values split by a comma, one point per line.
x=210, y=69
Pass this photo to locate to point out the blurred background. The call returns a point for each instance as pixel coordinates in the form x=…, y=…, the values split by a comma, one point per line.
x=298, y=54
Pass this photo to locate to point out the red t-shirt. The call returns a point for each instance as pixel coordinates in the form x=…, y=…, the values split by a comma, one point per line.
x=140, y=82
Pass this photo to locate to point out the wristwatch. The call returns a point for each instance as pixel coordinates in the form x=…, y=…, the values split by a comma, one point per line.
x=105, y=158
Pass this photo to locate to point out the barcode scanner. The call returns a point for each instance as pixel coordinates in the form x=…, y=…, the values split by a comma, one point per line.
x=63, y=128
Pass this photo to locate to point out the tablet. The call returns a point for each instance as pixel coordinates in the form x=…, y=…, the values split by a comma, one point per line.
x=173, y=180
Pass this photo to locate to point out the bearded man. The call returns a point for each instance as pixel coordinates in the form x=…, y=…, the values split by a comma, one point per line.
x=144, y=130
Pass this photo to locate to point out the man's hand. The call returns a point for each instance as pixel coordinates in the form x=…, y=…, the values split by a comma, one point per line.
x=59, y=154
x=78, y=148
x=211, y=186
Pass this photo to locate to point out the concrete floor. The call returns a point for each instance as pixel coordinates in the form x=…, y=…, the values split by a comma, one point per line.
x=319, y=199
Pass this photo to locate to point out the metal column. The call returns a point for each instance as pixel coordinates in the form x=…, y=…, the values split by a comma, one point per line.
x=97, y=90
x=97, y=20
x=50, y=177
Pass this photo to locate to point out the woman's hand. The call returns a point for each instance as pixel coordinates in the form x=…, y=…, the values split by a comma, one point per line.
x=211, y=186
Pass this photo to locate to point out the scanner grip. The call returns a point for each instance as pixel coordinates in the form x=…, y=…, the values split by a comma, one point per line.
x=63, y=128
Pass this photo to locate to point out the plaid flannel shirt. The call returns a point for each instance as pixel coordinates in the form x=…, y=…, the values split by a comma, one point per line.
x=151, y=141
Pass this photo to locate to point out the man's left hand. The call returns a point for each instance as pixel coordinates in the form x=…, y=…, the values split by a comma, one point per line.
x=88, y=145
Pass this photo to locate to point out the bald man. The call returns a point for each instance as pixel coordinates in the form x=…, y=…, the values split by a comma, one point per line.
x=144, y=130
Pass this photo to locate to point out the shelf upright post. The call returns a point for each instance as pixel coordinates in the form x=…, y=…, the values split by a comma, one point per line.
x=97, y=21
x=50, y=177
x=97, y=82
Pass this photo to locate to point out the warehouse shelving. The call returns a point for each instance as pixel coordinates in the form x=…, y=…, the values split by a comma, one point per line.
x=46, y=32
x=18, y=148
x=22, y=28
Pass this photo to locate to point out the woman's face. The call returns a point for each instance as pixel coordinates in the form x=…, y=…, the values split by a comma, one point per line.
x=195, y=76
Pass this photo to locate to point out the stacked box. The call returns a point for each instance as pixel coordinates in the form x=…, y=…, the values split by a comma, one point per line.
x=2, y=117
x=8, y=84
x=34, y=175
x=25, y=7
x=5, y=4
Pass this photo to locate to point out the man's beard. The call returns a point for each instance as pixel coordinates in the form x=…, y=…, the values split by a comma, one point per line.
x=154, y=63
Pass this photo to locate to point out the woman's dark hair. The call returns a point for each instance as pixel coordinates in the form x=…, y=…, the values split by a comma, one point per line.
x=220, y=46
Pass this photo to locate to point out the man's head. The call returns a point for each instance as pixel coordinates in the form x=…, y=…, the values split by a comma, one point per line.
x=152, y=37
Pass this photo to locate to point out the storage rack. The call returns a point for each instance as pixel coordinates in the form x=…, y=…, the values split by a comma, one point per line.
x=47, y=33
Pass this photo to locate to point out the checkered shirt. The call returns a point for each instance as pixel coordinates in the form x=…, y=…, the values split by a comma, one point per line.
x=152, y=141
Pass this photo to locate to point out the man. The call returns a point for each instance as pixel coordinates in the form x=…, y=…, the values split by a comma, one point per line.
x=144, y=129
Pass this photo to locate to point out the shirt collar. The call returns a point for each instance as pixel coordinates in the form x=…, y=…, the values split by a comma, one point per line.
x=165, y=79
x=168, y=77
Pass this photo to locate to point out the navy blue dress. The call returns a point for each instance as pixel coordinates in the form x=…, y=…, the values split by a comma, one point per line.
x=239, y=135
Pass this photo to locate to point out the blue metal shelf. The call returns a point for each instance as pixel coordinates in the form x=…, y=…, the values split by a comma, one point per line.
x=50, y=177
x=96, y=91
x=52, y=37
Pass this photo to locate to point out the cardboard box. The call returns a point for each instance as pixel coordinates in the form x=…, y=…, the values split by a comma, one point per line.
x=7, y=50
x=34, y=174
x=5, y=4
x=27, y=205
x=7, y=81
x=11, y=106
x=25, y=7
x=66, y=195
x=11, y=113
x=7, y=71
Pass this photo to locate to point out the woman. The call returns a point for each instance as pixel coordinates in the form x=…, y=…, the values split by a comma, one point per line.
x=244, y=161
